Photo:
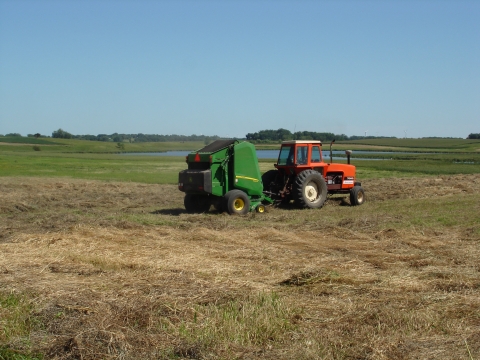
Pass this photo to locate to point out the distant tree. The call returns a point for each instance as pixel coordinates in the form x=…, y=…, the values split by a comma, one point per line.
x=120, y=146
x=103, y=137
x=14, y=134
x=37, y=135
x=272, y=135
x=117, y=138
x=283, y=134
x=61, y=134
x=473, y=136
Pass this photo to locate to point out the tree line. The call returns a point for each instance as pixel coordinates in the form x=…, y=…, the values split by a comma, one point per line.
x=262, y=136
x=118, y=138
x=284, y=134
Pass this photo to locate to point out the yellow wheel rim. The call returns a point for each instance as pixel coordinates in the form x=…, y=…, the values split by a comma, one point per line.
x=239, y=204
x=261, y=208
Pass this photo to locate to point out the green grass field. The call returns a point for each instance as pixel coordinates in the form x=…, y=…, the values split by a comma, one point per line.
x=102, y=160
x=27, y=140
x=144, y=169
x=23, y=144
x=430, y=144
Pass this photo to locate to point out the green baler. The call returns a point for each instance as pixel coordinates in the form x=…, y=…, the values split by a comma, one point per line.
x=224, y=174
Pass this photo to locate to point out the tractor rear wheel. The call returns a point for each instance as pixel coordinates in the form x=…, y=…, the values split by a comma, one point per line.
x=357, y=195
x=195, y=203
x=237, y=202
x=310, y=189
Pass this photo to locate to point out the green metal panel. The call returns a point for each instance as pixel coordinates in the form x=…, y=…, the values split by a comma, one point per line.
x=247, y=176
x=219, y=167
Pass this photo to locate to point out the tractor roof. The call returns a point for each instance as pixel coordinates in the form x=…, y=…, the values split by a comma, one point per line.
x=302, y=142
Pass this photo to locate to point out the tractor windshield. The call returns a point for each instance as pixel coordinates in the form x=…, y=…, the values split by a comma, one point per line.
x=286, y=155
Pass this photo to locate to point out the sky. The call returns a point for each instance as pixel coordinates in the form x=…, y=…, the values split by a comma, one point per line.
x=405, y=68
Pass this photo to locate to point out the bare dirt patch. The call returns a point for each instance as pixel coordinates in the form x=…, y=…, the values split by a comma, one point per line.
x=120, y=271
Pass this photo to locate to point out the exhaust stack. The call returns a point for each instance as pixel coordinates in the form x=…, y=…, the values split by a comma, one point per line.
x=348, y=153
x=331, y=157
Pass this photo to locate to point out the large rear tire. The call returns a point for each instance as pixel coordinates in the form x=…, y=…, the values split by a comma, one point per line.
x=357, y=195
x=237, y=202
x=195, y=203
x=310, y=189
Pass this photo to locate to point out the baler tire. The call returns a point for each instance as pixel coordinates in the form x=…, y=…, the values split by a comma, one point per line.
x=237, y=202
x=260, y=208
x=310, y=189
x=357, y=196
x=195, y=203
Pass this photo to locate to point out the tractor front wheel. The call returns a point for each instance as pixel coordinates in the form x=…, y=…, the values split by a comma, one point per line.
x=237, y=202
x=195, y=203
x=310, y=189
x=357, y=196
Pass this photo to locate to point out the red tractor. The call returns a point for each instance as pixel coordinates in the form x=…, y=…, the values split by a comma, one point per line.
x=301, y=175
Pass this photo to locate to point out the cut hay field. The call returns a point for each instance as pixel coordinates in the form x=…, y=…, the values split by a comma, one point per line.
x=92, y=269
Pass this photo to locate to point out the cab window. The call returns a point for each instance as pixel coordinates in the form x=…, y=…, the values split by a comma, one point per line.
x=316, y=155
x=286, y=156
x=302, y=152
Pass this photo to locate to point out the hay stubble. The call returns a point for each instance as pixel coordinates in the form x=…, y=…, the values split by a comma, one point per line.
x=118, y=270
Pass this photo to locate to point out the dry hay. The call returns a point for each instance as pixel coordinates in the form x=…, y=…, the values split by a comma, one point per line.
x=119, y=271
x=421, y=188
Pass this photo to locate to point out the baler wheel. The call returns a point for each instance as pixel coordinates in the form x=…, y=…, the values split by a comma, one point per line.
x=310, y=189
x=260, y=208
x=237, y=202
x=357, y=196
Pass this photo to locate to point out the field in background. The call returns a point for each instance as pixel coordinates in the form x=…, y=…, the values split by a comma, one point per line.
x=16, y=144
x=100, y=160
x=117, y=270
x=437, y=144
x=81, y=146
x=409, y=145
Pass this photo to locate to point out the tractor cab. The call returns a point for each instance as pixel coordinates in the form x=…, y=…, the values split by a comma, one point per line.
x=300, y=154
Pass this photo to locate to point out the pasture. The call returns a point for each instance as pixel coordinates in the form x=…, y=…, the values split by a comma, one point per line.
x=98, y=260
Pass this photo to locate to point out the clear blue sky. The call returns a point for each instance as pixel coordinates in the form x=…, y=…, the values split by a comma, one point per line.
x=232, y=67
